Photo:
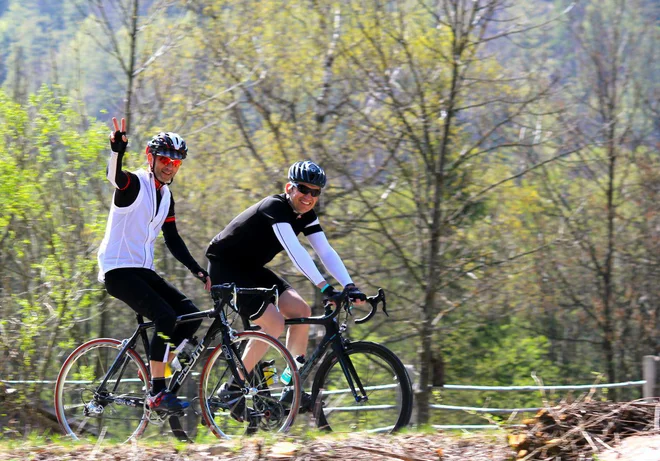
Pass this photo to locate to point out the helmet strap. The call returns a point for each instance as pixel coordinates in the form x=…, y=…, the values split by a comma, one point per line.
x=288, y=199
x=152, y=166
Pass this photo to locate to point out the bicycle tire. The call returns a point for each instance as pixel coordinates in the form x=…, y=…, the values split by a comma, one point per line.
x=385, y=379
x=111, y=420
x=261, y=408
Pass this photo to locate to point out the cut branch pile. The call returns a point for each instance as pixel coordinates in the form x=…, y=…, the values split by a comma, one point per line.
x=577, y=431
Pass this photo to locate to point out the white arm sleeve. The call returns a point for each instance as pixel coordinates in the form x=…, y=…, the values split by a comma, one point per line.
x=329, y=257
x=112, y=168
x=299, y=256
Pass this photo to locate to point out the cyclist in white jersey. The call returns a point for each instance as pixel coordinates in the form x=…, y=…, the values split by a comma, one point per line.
x=142, y=206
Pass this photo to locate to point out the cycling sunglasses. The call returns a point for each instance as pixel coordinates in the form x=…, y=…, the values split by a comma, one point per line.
x=306, y=190
x=166, y=161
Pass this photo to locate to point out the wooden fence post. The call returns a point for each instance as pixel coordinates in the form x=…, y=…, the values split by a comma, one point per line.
x=649, y=373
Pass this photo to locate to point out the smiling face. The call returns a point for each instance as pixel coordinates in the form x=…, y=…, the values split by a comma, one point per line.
x=302, y=202
x=164, y=168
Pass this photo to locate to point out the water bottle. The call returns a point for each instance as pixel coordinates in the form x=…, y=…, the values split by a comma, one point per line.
x=183, y=354
x=286, y=374
x=270, y=373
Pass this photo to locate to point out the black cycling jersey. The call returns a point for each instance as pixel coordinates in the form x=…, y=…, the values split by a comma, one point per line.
x=249, y=239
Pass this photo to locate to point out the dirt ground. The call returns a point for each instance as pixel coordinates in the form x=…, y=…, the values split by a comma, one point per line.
x=411, y=447
x=406, y=447
x=637, y=448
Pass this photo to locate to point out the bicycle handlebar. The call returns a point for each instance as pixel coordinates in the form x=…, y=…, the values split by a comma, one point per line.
x=228, y=291
x=343, y=300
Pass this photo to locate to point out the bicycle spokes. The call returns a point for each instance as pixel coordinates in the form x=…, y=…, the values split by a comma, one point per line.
x=366, y=390
x=232, y=409
x=89, y=410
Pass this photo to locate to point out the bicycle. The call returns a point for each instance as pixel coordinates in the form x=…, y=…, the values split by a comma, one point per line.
x=101, y=389
x=358, y=386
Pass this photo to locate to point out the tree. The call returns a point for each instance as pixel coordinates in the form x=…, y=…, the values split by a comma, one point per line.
x=50, y=227
x=597, y=272
x=436, y=112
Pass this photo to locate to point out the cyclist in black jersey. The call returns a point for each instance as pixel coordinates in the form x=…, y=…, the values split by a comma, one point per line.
x=142, y=205
x=251, y=240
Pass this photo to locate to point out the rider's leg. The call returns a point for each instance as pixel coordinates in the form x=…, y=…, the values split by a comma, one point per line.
x=143, y=290
x=292, y=305
x=181, y=305
x=272, y=323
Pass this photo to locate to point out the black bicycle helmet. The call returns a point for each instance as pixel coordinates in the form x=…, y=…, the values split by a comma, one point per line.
x=307, y=172
x=168, y=145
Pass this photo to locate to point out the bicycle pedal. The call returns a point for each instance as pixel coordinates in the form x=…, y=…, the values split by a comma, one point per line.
x=167, y=413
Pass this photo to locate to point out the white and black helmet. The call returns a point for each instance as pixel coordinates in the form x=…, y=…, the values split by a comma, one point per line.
x=307, y=172
x=168, y=145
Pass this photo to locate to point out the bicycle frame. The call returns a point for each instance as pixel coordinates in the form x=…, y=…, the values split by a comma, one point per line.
x=333, y=338
x=223, y=295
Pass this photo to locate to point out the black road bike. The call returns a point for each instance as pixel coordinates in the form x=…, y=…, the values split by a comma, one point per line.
x=357, y=385
x=102, y=387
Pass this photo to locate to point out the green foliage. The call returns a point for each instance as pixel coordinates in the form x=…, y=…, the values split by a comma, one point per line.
x=501, y=352
x=51, y=223
x=367, y=89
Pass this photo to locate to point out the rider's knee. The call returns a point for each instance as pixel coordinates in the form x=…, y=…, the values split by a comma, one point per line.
x=304, y=310
x=275, y=325
x=292, y=305
x=299, y=310
x=165, y=324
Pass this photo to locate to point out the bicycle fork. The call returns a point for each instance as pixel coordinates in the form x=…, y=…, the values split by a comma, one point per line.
x=351, y=375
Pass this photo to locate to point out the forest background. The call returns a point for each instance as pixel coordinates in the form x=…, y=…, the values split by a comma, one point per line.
x=492, y=164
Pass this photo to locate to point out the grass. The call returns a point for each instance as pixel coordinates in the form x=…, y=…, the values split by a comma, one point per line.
x=46, y=445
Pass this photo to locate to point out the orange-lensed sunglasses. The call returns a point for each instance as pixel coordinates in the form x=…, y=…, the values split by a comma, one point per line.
x=166, y=161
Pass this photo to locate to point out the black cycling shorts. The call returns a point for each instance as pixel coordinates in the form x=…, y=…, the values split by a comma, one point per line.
x=148, y=294
x=248, y=305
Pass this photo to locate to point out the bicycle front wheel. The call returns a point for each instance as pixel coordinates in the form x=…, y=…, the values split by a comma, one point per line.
x=265, y=403
x=383, y=392
x=113, y=412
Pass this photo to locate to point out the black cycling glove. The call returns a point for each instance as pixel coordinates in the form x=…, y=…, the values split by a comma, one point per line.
x=328, y=292
x=203, y=272
x=119, y=145
x=354, y=293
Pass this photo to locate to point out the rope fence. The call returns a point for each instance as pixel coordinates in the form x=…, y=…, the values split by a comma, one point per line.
x=648, y=384
x=460, y=387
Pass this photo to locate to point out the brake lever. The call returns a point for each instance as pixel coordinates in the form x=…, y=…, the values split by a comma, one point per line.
x=381, y=295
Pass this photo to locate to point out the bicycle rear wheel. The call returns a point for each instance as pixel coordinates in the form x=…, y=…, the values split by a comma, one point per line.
x=260, y=404
x=387, y=388
x=113, y=413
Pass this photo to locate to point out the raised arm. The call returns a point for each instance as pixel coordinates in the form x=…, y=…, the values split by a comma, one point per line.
x=118, y=144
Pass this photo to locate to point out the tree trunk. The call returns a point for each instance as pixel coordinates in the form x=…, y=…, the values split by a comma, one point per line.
x=131, y=67
x=423, y=397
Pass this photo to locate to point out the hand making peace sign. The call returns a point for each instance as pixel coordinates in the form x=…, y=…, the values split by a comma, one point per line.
x=118, y=139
